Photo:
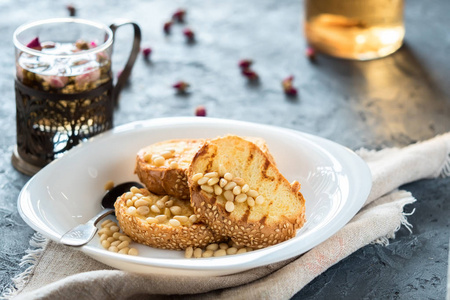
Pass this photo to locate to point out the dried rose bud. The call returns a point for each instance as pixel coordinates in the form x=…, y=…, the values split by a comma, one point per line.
x=56, y=82
x=35, y=44
x=250, y=74
x=82, y=45
x=245, y=64
x=92, y=44
x=181, y=86
x=189, y=34
x=178, y=15
x=288, y=88
x=200, y=111
x=146, y=52
x=71, y=9
x=167, y=27
x=310, y=53
x=91, y=75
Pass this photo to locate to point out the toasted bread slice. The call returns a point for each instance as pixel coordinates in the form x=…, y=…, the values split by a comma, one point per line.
x=162, y=167
x=242, y=195
x=161, y=221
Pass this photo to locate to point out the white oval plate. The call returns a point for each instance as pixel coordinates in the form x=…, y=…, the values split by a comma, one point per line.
x=67, y=192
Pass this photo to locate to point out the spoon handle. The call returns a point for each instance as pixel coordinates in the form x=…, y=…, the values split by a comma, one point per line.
x=83, y=233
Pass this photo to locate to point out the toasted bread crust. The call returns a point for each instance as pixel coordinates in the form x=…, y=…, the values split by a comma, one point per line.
x=274, y=221
x=164, y=236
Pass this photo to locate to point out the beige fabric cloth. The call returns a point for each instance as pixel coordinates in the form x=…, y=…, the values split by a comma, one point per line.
x=63, y=273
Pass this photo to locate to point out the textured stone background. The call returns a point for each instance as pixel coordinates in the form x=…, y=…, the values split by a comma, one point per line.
x=388, y=102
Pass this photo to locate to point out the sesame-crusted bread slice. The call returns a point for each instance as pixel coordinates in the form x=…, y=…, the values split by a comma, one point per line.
x=161, y=221
x=242, y=194
x=162, y=167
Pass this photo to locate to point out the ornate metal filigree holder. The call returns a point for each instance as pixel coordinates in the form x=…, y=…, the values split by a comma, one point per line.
x=49, y=124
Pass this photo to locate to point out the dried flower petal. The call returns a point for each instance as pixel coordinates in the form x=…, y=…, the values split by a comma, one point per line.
x=92, y=44
x=250, y=74
x=245, y=64
x=288, y=88
x=82, y=45
x=178, y=15
x=181, y=86
x=200, y=111
x=56, y=82
x=146, y=52
x=167, y=27
x=189, y=34
x=310, y=53
x=91, y=75
x=48, y=45
x=71, y=9
x=35, y=44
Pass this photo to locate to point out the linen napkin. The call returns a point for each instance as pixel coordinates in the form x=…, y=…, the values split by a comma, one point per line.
x=59, y=272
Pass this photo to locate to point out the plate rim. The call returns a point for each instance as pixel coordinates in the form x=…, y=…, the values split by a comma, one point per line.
x=254, y=258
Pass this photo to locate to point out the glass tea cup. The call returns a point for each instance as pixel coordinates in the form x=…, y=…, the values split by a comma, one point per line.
x=354, y=29
x=64, y=86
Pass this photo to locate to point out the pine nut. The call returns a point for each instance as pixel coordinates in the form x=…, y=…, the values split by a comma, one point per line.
x=113, y=249
x=230, y=185
x=232, y=250
x=188, y=252
x=193, y=219
x=114, y=228
x=222, y=182
x=168, y=203
x=164, y=199
x=176, y=210
x=105, y=230
x=124, y=250
x=217, y=190
x=133, y=251
x=125, y=238
x=167, y=212
x=110, y=239
x=174, y=222
x=212, y=174
x=213, y=181
x=159, y=161
x=223, y=246
x=159, y=204
x=207, y=188
x=170, y=150
x=161, y=218
x=129, y=202
x=242, y=250
x=198, y=252
x=212, y=247
x=259, y=200
x=104, y=223
x=173, y=165
x=166, y=154
x=203, y=180
x=135, y=190
x=155, y=209
x=237, y=190
x=240, y=198
x=131, y=210
x=197, y=176
x=239, y=181
x=122, y=245
x=138, y=195
x=148, y=157
x=143, y=210
x=245, y=188
x=250, y=201
x=229, y=206
x=115, y=243
x=229, y=196
x=181, y=219
x=208, y=253
x=152, y=220
x=106, y=244
x=228, y=176
x=220, y=252
x=252, y=193
x=103, y=237
x=116, y=235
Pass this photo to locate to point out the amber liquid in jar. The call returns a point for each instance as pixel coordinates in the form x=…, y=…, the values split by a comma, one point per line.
x=354, y=29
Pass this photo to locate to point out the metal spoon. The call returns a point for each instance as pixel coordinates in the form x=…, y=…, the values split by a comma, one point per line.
x=83, y=233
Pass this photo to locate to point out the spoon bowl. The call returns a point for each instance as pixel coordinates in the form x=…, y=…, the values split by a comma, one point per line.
x=83, y=233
